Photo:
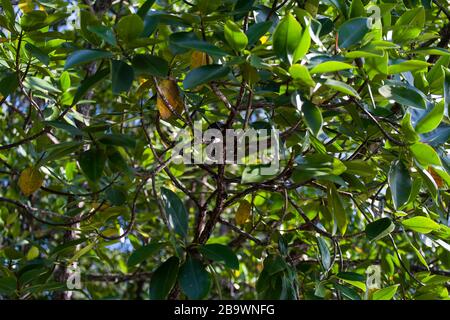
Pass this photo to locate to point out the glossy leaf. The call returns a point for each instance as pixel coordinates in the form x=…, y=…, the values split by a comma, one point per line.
x=194, y=280
x=421, y=224
x=150, y=65
x=385, y=293
x=222, y=253
x=378, y=229
x=176, y=212
x=257, y=30
x=235, y=37
x=425, y=154
x=286, y=38
x=92, y=163
x=352, y=32
x=164, y=279
x=143, y=253
x=325, y=255
x=313, y=117
x=431, y=119
x=400, y=183
x=84, y=56
x=330, y=66
x=129, y=28
x=122, y=76
x=205, y=74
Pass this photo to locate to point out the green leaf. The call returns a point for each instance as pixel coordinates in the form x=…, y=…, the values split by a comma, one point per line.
x=313, y=117
x=337, y=208
x=352, y=32
x=361, y=168
x=286, y=38
x=33, y=253
x=8, y=285
x=330, y=66
x=431, y=51
x=88, y=83
x=301, y=75
x=341, y=6
x=357, y=9
x=82, y=252
x=60, y=150
x=429, y=181
x=164, y=278
x=379, y=229
x=129, y=28
x=304, y=44
x=409, y=65
x=421, y=224
x=116, y=162
x=408, y=130
x=33, y=20
x=64, y=126
x=38, y=53
x=116, y=196
x=84, y=56
x=317, y=165
x=121, y=140
x=143, y=253
x=403, y=94
x=92, y=163
x=8, y=83
x=105, y=33
x=122, y=76
x=145, y=8
x=341, y=87
x=257, y=30
x=188, y=40
x=8, y=10
x=385, y=293
x=65, y=81
x=235, y=37
x=35, y=83
x=425, y=154
x=176, y=212
x=194, y=280
x=347, y=292
x=325, y=256
x=220, y=252
x=431, y=119
x=205, y=74
x=150, y=65
x=409, y=25
x=400, y=183
x=446, y=72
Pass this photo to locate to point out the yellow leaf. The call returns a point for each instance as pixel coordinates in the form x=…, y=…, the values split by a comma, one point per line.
x=110, y=232
x=96, y=206
x=33, y=253
x=199, y=59
x=26, y=5
x=243, y=212
x=171, y=92
x=30, y=180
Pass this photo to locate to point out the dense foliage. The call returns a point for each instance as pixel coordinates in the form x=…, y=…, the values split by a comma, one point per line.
x=95, y=93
